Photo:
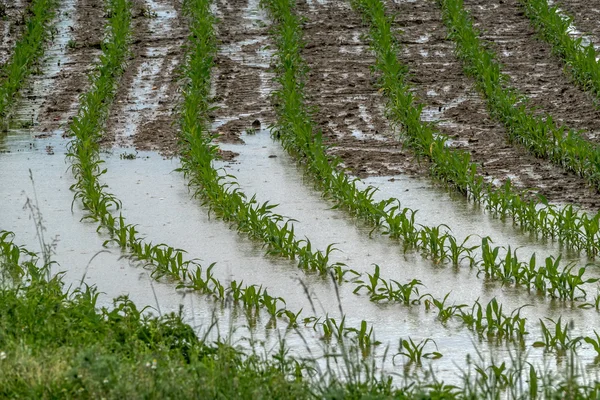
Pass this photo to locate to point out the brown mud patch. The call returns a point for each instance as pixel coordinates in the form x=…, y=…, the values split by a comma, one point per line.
x=586, y=15
x=242, y=81
x=12, y=24
x=349, y=109
x=143, y=115
x=452, y=102
x=72, y=80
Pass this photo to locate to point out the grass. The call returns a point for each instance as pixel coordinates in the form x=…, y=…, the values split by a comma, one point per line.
x=27, y=52
x=57, y=343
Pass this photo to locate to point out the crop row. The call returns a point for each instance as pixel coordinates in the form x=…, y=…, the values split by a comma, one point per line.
x=167, y=260
x=540, y=135
x=86, y=165
x=300, y=137
x=87, y=128
x=218, y=189
x=569, y=225
x=27, y=51
x=554, y=26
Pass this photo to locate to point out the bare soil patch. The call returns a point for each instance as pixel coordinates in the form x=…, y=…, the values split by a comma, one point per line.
x=242, y=79
x=532, y=67
x=72, y=80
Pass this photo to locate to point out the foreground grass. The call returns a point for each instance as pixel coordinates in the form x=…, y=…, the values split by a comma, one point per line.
x=56, y=343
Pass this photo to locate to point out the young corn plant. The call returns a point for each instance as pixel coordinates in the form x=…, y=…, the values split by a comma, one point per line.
x=559, y=339
x=415, y=352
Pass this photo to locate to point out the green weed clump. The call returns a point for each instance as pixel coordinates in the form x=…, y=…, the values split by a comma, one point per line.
x=581, y=60
x=530, y=211
x=27, y=52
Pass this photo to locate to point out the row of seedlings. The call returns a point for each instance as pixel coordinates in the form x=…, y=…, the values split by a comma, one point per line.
x=300, y=138
x=401, y=103
x=86, y=165
x=573, y=228
x=487, y=320
x=554, y=26
x=219, y=190
x=198, y=154
x=27, y=51
x=540, y=135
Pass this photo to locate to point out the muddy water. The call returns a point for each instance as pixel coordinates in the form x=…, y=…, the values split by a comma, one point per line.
x=156, y=197
x=163, y=207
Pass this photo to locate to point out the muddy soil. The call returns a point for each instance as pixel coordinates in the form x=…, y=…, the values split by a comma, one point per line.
x=453, y=103
x=143, y=113
x=533, y=70
x=585, y=17
x=242, y=82
x=12, y=23
x=59, y=107
x=349, y=109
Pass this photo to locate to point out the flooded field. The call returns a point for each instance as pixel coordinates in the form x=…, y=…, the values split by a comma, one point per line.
x=237, y=168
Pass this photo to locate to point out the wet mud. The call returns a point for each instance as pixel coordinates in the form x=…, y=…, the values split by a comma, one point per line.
x=533, y=69
x=349, y=109
x=86, y=31
x=585, y=17
x=453, y=103
x=12, y=24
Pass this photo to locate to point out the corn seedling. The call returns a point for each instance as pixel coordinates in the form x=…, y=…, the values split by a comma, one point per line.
x=415, y=352
x=558, y=340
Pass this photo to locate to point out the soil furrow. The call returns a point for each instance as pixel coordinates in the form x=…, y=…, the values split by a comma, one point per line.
x=533, y=70
x=349, y=109
x=453, y=102
x=71, y=77
x=143, y=115
x=242, y=80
